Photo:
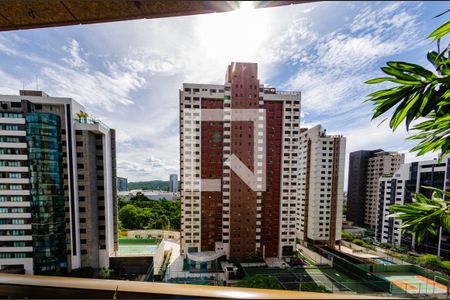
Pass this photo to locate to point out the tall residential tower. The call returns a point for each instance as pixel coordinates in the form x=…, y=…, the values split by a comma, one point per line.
x=322, y=162
x=365, y=168
x=239, y=168
x=57, y=186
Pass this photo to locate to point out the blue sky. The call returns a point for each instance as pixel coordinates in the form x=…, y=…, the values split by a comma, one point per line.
x=128, y=73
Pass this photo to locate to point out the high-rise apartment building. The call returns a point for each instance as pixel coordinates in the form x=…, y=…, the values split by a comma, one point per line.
x=57, y=185
x=321, y=179
x=122, y=184
x=173, y=183
x=381, y=163
x=357, y=182
x=239, y=168
x=399, y=189
x=365, y=168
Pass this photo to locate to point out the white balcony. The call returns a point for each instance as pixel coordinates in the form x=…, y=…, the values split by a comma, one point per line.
x=14, y=180
x=16, y=249
x=14, y=169
x=14, y=192
x=13, y=145
x=16, y=238
x=15, y=215
x=12, y=120
x=14, y=226
x=14, y=204
x=13, y=157
x=13, y=133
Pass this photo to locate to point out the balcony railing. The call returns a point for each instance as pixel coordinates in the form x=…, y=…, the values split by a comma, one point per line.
x=21, y=286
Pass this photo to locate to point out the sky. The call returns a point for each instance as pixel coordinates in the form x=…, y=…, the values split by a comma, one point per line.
x=128, y=74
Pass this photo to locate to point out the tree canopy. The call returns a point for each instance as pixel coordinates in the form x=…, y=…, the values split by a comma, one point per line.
x=143, y=213
x=420, y=98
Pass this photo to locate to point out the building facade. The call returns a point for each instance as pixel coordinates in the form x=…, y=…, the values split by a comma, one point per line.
x=239, y=168
x=322, y=163
x=173, y=183
x=58, y=197
x=379, y=164
x=365, y=168
x=399, y=189
x=122, y=184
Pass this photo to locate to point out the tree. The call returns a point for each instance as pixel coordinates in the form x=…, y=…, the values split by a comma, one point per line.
x=423, y=96
x=81, y=115
x=419, y=94
x=129, y=216
x=260, y=282
x=348, y=236
x=121, y=202
x=424, y=215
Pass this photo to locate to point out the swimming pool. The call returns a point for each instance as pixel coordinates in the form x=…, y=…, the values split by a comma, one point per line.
x=383, y=261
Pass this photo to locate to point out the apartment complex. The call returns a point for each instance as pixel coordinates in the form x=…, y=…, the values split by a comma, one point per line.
x=239, y=168
x=381, y=163
x=365, y=168
x=57, y=186
x=173, y=183
x=321, y=179
x=399, y=189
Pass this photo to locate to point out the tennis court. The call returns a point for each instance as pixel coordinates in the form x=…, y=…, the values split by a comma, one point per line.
x=410, y=283
x=330, y=278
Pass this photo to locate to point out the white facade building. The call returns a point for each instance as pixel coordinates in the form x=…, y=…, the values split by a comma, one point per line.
x=399, y=189
x=322, y=161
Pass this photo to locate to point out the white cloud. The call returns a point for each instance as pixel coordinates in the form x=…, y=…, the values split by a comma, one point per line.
x=108, y=67
x=74, y=60
x=333, y=70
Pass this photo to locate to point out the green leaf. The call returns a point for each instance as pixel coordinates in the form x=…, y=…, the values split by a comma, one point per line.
x=440, y=32
x=378, y=80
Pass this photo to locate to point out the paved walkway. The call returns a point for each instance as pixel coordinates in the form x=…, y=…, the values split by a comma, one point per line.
x=275, y=262
x=357, y=253
x=317, y=258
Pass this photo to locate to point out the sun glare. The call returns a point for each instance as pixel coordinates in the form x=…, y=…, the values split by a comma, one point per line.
x=235, y=35
x=246, y=5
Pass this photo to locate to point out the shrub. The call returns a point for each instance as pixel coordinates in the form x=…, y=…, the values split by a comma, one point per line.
x=348, y=236
x=358, y=242
x=313, y=287
x=429, y=261
x=386, y=245
x=260, y=282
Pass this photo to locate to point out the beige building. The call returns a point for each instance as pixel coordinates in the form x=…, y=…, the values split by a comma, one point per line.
x=380, y=164
x=321, y=164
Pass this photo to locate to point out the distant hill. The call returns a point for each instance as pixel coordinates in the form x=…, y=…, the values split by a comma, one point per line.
x=149, y=185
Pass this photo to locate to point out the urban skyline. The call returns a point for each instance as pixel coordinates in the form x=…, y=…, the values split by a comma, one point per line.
x=149, y=79
x=276, y=176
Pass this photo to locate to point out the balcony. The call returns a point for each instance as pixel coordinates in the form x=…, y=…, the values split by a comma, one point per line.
x=21, y=286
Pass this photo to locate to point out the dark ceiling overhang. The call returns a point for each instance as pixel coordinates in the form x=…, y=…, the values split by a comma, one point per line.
x=28, y=14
